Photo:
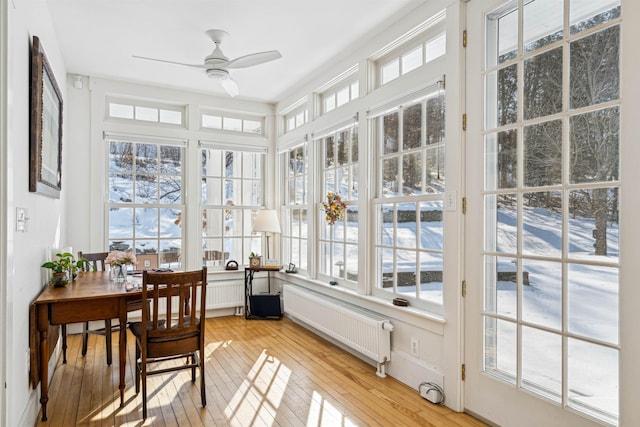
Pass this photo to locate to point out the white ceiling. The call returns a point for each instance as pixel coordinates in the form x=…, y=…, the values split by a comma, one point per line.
x=99, y=37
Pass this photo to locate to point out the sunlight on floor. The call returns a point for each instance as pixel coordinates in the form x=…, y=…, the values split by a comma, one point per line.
x=323, y=413
x=261, y=392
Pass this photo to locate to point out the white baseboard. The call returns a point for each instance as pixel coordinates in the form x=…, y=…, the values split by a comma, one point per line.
x=411, y=371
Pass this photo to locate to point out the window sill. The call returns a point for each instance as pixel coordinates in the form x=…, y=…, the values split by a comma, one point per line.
x=411, y=315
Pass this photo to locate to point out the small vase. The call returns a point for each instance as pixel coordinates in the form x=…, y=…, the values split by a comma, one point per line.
x=59, y=280
x=118, y=274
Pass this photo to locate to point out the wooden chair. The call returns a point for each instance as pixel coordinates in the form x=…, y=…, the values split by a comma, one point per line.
x=174, y=331
x=96, y=262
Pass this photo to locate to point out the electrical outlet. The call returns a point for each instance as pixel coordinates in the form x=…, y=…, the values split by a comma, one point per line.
x=415, y=347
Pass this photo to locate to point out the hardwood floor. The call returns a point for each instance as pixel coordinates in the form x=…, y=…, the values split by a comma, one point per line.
x=259, y=373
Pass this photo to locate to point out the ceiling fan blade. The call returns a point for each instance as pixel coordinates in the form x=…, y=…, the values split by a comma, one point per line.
x=230, y=86
x=254, y=59
x=198, y=66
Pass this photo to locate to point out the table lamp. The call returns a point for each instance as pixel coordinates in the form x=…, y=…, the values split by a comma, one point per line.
x=267, y=223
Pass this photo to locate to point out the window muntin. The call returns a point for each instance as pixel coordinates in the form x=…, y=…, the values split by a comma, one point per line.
x=408, y=215
x=295, y=210
x=551, y=248
x=338, y=243
x=146, y=200
x=232, y=192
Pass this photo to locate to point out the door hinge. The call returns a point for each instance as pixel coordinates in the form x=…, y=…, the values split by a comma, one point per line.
x=464, y=205
x=464, y=121
x=463, y=372
x=464, y=288
x=464, y=38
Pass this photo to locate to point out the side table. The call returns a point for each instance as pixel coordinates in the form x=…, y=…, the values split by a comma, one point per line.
x=264, y=306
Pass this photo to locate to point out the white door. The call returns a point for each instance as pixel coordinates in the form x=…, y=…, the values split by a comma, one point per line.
x=542, y=261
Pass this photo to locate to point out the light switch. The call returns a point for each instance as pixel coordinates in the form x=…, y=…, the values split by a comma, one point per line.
x=450, y=201
x=22, y=216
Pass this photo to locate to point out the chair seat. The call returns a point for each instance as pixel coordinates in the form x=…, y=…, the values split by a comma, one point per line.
x=136, y=330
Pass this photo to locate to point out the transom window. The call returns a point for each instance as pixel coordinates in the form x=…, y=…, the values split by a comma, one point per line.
x=411, y=56
x=296, y=118
x=124, y=109
x=235, y=124
x=337, y=97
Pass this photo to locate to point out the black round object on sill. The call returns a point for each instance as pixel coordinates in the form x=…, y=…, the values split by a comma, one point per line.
x=401, y=302
x=231, y=265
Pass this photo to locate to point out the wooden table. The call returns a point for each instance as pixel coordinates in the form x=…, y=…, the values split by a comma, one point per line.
x=92, y=296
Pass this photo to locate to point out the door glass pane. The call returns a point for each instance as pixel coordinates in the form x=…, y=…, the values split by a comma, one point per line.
x=543, y=154
x=501, y=290
x=585, y=14
x=542, y=23
x=593, y=302
x=507, y=37
x=543, y=84
x=595, y=70
x=501, y=161
x=592, y=380
x=594, y=224
x=504, y=83
x=542, y=223
x=501, y=223
x=500, y=348
x=542, y=293
x=542, y=363
x=594, y=147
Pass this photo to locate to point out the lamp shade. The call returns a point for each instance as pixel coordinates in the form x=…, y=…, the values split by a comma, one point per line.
x=267, y=221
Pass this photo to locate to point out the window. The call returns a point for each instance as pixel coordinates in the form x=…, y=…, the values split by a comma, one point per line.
x=296, y=118
x=338, y=243
x=232, y=192
x=337, y=97
x=295, y=212
x=411, y=56
x=409, y=203
x=551, y=202
x=234, y=124
x=146, y=201
x=139, y=111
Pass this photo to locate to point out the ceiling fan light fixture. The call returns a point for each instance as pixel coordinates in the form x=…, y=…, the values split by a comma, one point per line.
x=217, y=74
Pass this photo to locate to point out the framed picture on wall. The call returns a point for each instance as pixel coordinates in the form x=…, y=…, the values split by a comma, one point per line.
x=45, y=145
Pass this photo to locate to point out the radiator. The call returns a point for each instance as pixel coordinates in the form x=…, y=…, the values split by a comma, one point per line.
x=225, y=294
x=363, y=331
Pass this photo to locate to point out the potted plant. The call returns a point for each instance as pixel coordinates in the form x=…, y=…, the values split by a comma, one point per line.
x=61, y=268
x=255, y=260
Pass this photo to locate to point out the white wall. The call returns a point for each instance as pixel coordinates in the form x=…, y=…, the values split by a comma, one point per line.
x=46, y=227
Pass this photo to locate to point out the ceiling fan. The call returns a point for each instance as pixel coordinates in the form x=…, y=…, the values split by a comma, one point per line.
x=217, y=65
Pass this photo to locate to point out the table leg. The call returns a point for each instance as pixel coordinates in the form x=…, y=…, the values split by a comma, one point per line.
x=43, y=329
x=122, y=347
